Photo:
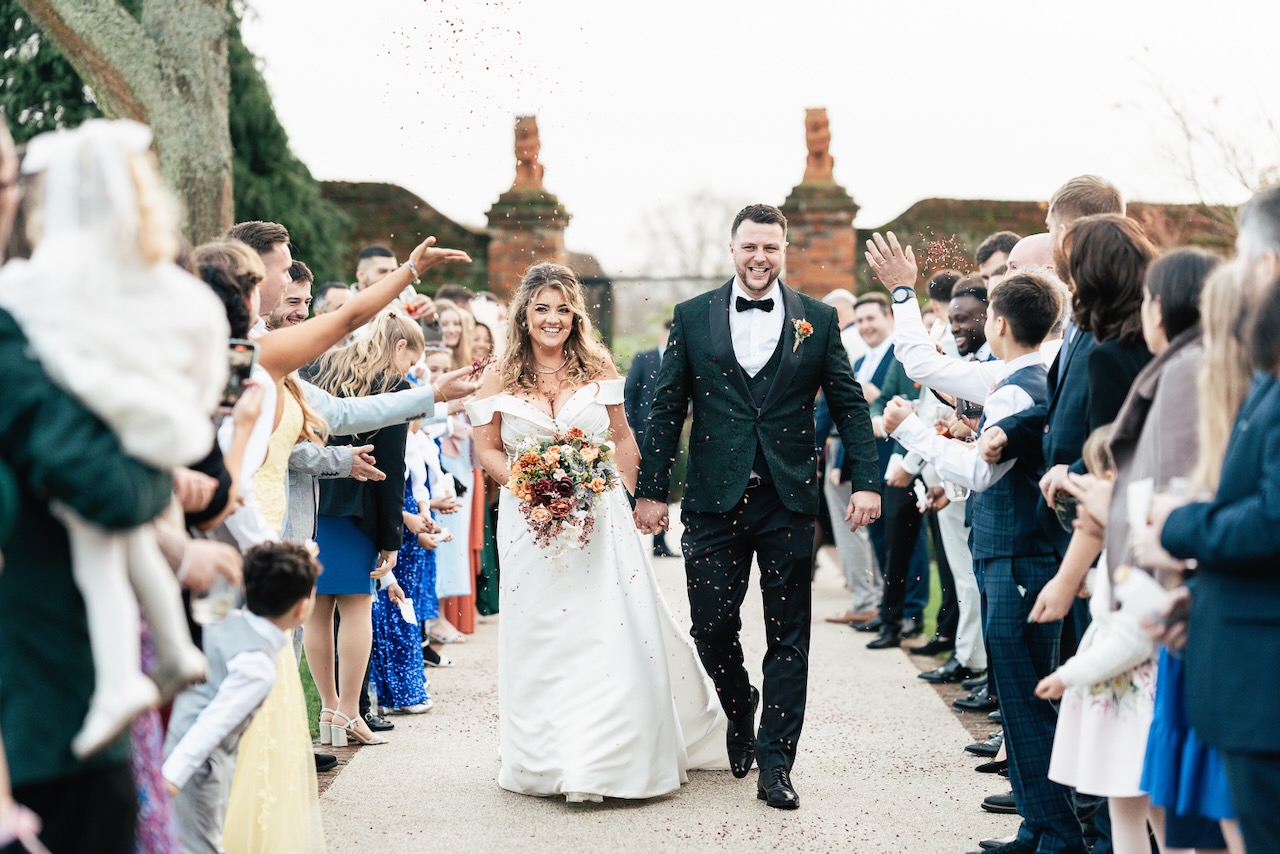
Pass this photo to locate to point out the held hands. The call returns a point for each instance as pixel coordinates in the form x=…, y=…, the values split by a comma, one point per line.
x=892, y=264
x=386, y=563
x=362, y=467
x=651, y=516
x=991, y=445
x=895, y=412
x=864, y=508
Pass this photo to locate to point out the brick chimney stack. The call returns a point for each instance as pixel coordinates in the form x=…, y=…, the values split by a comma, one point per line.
x=526, y=224
x=822, y=250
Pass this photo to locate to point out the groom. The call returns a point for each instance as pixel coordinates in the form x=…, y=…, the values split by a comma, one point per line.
x=751, y=356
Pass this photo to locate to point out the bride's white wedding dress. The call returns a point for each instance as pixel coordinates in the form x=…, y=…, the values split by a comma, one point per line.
x=599, y=692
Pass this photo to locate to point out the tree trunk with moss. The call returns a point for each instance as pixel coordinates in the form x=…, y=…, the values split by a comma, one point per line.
x=166, y=68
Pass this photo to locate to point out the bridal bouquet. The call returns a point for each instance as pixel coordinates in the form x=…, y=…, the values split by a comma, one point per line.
x=558, y=482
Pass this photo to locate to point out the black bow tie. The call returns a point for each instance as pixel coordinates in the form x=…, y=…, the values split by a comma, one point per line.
x=748, y=304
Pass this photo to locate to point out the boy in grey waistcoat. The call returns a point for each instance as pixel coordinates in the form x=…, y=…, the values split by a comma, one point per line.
x=208, y=719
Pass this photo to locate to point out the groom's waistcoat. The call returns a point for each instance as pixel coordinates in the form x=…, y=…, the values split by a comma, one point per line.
x=741, y=423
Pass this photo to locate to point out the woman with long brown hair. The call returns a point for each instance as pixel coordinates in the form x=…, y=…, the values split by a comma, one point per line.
x=599, y=691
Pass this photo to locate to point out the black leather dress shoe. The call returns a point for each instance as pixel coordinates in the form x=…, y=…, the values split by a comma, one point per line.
x=978, y=701
x=869, y=626
x=326, y=762
x=1003, y=846
x=774, y=787
x=912, y=628
x=995, y=717
x=886, y=640
x=741, y=739
x=661, y=549
x=975, y=683
x=988, y=748
x=935, y=646
x=949, y=673
x=992, y=767
x=1000, y=804
x=378, y=723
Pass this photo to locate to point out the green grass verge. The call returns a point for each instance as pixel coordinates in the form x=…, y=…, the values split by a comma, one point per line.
x=313, y=697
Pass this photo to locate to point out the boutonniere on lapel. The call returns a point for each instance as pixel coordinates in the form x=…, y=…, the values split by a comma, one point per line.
x=803, y=330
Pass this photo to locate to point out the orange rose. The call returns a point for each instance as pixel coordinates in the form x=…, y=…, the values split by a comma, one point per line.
x=576, y=433
x=541, y=515
x=589, y=454
x=596, y=485
x=560, y=509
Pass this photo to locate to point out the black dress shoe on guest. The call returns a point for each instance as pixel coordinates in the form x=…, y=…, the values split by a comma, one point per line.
x=975, y=683
x=935, y=646
x=1011, y=845
x=325, y=762
x=377, y=723
x=1001, y=804
x=995, y=717
x=988, y=748
x=660, y=549
x=869, y=626
x=741, y=739
x=978, y=701
x=992, y=767
x=912, y=628
x=886, y=640
x=774, y=787
x=951, y=672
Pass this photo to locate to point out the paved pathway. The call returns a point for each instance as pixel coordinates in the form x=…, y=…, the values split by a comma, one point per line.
x=881, y=767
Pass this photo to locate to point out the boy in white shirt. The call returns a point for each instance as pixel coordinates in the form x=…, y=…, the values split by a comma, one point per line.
x=209, y=719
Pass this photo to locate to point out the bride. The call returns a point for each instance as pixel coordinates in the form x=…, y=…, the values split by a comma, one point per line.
x=600, y=694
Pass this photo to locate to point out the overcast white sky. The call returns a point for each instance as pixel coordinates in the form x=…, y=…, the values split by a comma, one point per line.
x=641, y=105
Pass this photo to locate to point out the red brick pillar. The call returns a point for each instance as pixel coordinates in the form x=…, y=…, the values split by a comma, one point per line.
x=822, y=243
x=526, y=224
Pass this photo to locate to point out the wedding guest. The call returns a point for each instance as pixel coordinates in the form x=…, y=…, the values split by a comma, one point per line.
x=90, y=804
x=330, y=296
x=209, y=719
x=481, y=341
x=459, y=295
x=455, y=332
x=1011, y=556
x=862, y=575
x=992, y=257
x=359, y=525
x=642, y=381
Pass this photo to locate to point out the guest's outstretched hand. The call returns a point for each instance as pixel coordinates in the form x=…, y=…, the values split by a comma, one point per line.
x=455, y=384
x=894, y=265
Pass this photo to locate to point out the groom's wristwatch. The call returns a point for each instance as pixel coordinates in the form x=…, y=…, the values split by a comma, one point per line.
x=902, y=293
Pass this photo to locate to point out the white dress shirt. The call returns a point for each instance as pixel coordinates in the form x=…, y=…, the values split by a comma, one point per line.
x=755, y=332
x=250, y=676
x=959, y=462
x=925, y=365
x=872, y=359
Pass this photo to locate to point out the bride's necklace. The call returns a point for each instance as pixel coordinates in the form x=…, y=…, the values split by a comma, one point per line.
x=537, y=367
x=551, y=390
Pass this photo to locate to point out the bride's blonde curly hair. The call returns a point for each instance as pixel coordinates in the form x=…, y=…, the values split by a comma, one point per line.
x=587, y=357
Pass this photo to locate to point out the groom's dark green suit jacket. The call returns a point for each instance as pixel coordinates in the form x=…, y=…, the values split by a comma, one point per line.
x=699, y=368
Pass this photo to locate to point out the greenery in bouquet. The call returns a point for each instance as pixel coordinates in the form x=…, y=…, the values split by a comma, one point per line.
x=558, y=482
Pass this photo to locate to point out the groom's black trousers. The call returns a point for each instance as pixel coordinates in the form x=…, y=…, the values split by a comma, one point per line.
x=718, y=548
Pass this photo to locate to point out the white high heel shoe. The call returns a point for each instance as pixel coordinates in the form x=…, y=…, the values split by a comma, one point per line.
x=326, y=727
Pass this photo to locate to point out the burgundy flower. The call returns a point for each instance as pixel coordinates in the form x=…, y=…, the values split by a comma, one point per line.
x=564, y=487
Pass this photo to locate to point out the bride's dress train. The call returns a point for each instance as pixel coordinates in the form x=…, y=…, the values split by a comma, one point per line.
x=600, y=693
